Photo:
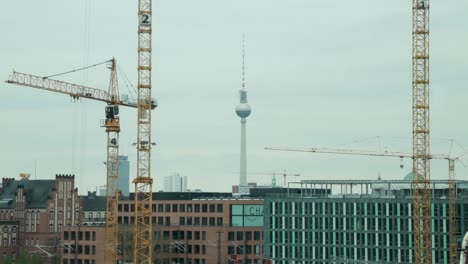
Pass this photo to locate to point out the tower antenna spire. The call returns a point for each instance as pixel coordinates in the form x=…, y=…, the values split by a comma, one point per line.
x=243, y=61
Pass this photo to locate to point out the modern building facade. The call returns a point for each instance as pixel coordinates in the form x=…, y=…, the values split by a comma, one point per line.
x=175, y=183
x=355, y=222
x=124, y=175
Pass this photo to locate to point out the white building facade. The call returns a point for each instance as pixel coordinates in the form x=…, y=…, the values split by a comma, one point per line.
x=175, y=183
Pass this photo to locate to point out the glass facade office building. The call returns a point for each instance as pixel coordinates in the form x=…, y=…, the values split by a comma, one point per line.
x=371, y=225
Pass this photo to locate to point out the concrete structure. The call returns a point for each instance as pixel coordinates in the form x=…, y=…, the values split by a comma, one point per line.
x=33, y=214
x=355, y=222
x=202, y=228
x=243, y=110
x=175, y=183
x=124, y=175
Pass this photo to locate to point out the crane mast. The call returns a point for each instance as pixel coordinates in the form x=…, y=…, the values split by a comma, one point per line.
x=143, y=231
x=422, y=230
x=452, y=213
x=112, y=125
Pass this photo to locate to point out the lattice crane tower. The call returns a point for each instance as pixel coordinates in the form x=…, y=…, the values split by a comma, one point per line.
x=143, y=230
x=422, y=230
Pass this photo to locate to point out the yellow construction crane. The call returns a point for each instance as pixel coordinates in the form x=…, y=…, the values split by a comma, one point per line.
x=143, y=230
x=452, y=187
x=422, y=228
x=112, y=125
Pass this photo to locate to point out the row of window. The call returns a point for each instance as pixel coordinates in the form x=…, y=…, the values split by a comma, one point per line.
x=80, y=236
x=239, y=235
x=184, y=235
x=244, y=249
x=174, y=208
x=183, y=221
x=9, y=242
x=333, y=254
x=79, y=261
x=79, y=249
x=5, y=229
x=356, y=209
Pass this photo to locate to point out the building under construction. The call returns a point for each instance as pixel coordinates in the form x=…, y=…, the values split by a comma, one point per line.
x=357, y=220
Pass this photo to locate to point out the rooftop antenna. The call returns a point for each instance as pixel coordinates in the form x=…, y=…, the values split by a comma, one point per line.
x=243, y=61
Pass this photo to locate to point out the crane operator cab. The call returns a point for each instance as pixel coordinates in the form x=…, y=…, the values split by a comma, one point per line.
x=423, y=4
x=112, y=111
x=112, y=121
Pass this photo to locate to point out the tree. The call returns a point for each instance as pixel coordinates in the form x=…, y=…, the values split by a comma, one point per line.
x=25, y=258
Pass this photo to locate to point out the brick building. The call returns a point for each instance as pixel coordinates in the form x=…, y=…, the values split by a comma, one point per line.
x=201, y=228
x=85, y=243
x=34, y=212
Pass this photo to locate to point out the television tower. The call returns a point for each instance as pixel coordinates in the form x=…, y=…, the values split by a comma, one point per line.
x=243, y=110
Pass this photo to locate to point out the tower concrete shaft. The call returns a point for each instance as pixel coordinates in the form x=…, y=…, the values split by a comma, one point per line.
x=243, y=158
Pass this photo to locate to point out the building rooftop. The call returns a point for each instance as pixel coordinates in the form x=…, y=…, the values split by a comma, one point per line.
x=37, y=193
x=92, y=202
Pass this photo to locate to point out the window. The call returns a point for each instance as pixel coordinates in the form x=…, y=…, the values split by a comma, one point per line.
x=212, y=208
x=181, y=220
x=219, y=221
x=182, y=207
x=51, y=228
x=248, y=235
x=197, y=208
x=204, y=208
x=51, y=215
x=167, y=208
x=189, y=208
x=240, y=236
x=220, y=208
x=174, y=208
x=204, y=221
x=231, y=237
x=160, y=208
x=5, y=242
x=256, y=235
x=212, y=221
x=90, y=215
x=98, y=215
x=230, y=250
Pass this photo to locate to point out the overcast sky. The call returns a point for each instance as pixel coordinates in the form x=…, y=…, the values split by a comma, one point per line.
x=319, y=73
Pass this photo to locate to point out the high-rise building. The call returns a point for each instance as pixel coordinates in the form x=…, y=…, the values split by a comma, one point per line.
x=124, y=175
x=357, y=221
x=175, y=183
x=243, y=110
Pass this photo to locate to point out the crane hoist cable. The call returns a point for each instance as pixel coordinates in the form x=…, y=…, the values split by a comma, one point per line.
x=76, y=70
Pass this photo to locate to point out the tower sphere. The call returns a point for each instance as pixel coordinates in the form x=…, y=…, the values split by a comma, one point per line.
x=243, y=110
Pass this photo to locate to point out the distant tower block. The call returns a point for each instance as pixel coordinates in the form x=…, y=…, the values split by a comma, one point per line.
x=243, y=110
